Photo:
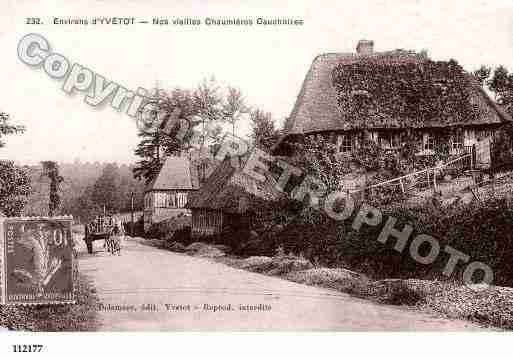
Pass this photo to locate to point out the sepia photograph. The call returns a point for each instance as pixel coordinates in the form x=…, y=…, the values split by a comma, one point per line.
x=258, y=167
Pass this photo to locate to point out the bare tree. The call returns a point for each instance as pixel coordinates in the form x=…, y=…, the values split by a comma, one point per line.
x=234, y=107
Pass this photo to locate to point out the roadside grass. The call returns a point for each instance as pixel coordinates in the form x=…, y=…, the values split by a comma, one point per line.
x=338, y=279
x=492, y=306
x=53, y=318
x=489, y=307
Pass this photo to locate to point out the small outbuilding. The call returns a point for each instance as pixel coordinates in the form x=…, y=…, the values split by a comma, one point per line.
x=230, y=198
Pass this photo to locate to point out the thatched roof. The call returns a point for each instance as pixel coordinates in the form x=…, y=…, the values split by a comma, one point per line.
x=177, y=173
x=316, y=108
x=230, y=190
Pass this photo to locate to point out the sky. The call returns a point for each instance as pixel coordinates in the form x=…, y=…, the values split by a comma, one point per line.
x=268, y=63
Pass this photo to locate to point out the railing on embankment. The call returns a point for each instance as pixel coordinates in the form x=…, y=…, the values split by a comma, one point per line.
x=421, y=180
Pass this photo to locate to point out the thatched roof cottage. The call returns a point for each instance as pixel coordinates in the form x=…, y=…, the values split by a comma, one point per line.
x=388, y=97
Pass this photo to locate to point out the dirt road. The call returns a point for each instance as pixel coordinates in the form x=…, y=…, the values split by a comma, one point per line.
x=147, y=288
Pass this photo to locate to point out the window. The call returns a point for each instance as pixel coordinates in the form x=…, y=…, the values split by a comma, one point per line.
x=457, y=142
x=182, y=199
x=345, y=143
x=486, y=134
x=388, y=140
x=429, y=142
x=170, y=200
x=174, y=200
x=161, y=199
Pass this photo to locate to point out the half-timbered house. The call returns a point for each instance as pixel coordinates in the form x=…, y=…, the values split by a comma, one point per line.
x=167, y=195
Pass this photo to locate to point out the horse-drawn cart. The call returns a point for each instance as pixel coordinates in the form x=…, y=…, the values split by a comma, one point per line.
x=100, y=228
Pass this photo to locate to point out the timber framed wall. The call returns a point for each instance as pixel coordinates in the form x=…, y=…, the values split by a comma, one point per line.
x=206, y=222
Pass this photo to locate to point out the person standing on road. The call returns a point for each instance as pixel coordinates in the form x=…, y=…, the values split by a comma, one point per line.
x=116, y=238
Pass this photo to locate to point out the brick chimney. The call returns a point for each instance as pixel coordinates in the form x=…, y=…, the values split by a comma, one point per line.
x=365, y=47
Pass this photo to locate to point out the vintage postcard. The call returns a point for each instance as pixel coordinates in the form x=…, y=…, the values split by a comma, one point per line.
x=256, y=166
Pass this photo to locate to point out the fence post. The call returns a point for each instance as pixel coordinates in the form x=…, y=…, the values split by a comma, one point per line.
x=434, y=180
x=472, y=154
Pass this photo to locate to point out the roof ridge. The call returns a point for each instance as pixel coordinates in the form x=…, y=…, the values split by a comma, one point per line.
x=226, y=186
x=175, y=173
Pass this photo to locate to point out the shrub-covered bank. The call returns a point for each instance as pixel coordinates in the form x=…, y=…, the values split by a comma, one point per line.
x=482, y=231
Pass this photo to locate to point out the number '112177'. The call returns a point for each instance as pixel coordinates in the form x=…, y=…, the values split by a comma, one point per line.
x=27, y=348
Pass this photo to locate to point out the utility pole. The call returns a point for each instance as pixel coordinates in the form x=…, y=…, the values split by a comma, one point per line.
x=132, y=213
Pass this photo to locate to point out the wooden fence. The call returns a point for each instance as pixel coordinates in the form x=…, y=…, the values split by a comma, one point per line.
x=424, y=179
x=126, y=217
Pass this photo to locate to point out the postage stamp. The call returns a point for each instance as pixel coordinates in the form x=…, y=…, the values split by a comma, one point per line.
x=37, y=261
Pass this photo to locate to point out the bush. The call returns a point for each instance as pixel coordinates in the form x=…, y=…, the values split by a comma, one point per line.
x=277, y=265
x=340, y=279
x=327, y=277
x=398, y=292
x=256, y=246
x=138, y=230
x=284, y=265
x=235, y=239
x=182, y=236
x=491, y=306
x=202, y=249
x=480, y=230
x=165, y=229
